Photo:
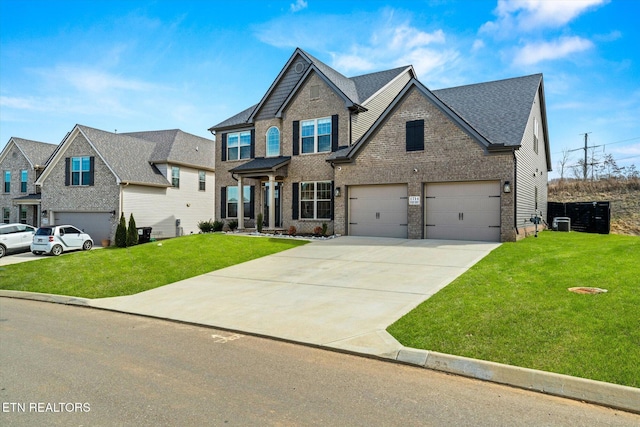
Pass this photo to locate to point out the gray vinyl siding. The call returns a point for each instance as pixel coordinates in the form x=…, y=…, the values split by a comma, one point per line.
x=362, y=122
x=531, y=171
x=284, y=87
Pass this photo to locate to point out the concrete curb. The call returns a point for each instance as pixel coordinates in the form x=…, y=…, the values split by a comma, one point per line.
x=597, y=392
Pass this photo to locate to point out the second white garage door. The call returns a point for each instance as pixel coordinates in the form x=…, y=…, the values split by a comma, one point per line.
x=378, y=210
x=463, y=211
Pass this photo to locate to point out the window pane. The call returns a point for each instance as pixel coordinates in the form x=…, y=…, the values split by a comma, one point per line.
x=245, y=152
x=232, y=210
x=245, y=138
x=232, y=194
x=232, y=154
x=75, y=178
x=306, y=209
x=307, y=145
x=24, y=175
x=324, y=126
x=246, y=194
x=307, y=191
x=273, y=142
x=324, y=210
x=308, y=128
x=324, y=191
x=85, y=178
x=75, y=164
x=324, y=143
x=85, y=164
x=232, y=140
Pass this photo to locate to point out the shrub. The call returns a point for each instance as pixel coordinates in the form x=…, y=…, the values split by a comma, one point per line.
x=233, y=224
x=206, y=226
x=292, y=230
x=217, y=225
x=132, y=232
x=121, y=233
x=324, y=228
x=259, y=222
x=317, y=231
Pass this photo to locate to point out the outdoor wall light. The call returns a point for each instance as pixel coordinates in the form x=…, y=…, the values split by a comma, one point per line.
x=507, y=187
x=337, y=192
x=44, y=212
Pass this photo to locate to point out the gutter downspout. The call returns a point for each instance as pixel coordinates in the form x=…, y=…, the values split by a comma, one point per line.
x=515, y=191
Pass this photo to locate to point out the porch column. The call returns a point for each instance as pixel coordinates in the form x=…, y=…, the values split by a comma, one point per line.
x=272, y=202
x=240, y=204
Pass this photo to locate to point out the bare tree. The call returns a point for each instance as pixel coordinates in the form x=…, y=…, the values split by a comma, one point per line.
x=564, y=162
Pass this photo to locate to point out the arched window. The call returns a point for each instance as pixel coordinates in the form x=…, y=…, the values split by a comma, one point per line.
x=273, y=142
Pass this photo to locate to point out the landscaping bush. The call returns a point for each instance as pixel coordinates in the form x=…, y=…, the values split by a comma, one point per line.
x=259, y=222
x=292, y=230
x=217, y=225
x=324, y=228
x=132, y=232
x=207, y=226
x=121, y=233
x=233, y=224
x=317, y=231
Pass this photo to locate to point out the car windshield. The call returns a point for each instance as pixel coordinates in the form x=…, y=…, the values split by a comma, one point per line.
x=44, y=232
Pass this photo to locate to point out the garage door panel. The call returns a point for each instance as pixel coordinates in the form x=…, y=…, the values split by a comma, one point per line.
x=378, y=210
x=96, y=224
x=463, y=210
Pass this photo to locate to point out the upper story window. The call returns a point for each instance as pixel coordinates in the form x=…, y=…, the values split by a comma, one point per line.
x=7, y=181
x=175, y=176
x=535, y=135
x=239, y=145
x=273, y=142
x=316, y=135
x=24, y=176
x=202, y=180
x=80, y=171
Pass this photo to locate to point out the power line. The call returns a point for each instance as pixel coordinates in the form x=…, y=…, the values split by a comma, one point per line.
x=602, y=145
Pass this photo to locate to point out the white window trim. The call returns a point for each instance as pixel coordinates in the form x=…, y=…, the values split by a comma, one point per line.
x=315, y=135
x=240, y=145
x=246, y=192
x=315, y=201
x=173, y=184
x=267, y=154
x=80, y=171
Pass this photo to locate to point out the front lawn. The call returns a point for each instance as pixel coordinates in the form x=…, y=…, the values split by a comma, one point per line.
x=114, y=271
x=513, y=307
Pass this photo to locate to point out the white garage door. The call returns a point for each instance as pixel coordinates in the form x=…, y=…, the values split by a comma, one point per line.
x=96, y=224
x=463, y=211
x=378, y=210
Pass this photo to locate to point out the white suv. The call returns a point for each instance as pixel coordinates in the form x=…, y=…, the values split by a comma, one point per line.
x=59, y=238
x=15, y=237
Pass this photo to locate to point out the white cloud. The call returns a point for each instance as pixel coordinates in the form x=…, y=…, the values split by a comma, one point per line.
x=529, y=15
x=93, y=80
x=298, y=5
x=477, y=45
x=532, y=53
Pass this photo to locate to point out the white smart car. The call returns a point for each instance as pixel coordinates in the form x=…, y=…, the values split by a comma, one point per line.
x=59, y=238
x=15, y=237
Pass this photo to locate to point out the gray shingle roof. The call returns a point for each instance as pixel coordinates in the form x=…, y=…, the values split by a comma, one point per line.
x=357, y=89
x=37, y=153
x=498, y=110
x=176, y=146
x=262, y=163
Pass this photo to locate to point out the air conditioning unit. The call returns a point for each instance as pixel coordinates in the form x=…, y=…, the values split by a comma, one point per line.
x=561, y=223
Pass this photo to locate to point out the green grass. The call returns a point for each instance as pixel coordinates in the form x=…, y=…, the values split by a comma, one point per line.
x=115, y=271
x=513, y=307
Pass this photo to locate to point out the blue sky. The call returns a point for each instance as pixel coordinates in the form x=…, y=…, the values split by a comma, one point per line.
x=146, y=65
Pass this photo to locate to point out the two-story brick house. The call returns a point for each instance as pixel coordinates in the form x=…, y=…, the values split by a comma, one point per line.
x=382, y=155
x=21, y=163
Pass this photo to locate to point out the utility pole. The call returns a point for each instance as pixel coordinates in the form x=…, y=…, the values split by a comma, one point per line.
x=586, y=135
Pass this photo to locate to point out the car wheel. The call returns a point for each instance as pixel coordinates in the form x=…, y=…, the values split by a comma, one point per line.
x=87, y=245
x=56, y=250
x=2, y=251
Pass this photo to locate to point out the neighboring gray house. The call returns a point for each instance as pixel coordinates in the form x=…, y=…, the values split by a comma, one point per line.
x=165, y=178
x=21, y=163
x=382, y=155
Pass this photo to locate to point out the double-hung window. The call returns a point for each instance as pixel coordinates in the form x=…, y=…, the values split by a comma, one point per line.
x=315, y=200
x=23, y=214
x=6, y=215
x=535, y=135
x=175, y=176
x=80, y=171
x=316, y=135
x=239, y=145
x=24, y=175
x=273, y=142
x=202, y=180
x=232, y=201
x=7, y=181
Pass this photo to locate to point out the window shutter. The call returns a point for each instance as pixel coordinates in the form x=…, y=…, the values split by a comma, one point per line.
x=223, y=202
x=252, y=204
x=253, y=144
x=67, y=171
x=294, y=198
x=92, y=165
x=415, y=135
x=223, y=154
x=334, y=132
x=332, y=198
x=296, y=137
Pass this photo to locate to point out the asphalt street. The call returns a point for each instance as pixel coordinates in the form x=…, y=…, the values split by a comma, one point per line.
x=68, y=365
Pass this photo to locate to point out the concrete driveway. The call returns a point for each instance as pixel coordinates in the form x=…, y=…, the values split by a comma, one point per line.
x=340, y=293
x=15, y=258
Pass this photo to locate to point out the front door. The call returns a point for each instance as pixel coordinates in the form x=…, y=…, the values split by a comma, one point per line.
x=265, y=204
